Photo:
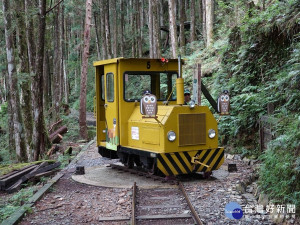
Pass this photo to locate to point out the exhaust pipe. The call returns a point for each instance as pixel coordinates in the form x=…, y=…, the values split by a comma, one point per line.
x=180, y=85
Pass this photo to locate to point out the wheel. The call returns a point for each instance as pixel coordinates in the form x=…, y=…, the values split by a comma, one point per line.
x=207, y=174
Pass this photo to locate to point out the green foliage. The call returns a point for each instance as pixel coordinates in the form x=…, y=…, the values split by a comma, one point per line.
x=280, y=178
x=15, y=202
x=256, y=57
x=4, y=151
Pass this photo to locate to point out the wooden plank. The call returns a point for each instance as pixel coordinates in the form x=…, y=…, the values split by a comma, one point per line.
x=114, y=218
x=159, y=206
x=160, y=198
x=160, y=217
x=9, y=180
x=15, y=218
x=17, y=186
x=48, y=173
x=9, y=174
x=40, y=193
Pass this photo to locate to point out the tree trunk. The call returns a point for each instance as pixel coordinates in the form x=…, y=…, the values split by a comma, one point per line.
x=107, y=28
x=181, y=26
x=138, y=29
x=56, y=64
x=40, y=136
x=121, y=37
x=204, y=20
x=47, y=81
x=63, y=94
x=26, y=102
x=200, y=13
x=97, y=35
x=30, y=35
x=85, y=55
x=193, y=33
x=209, y=22
x=133, y=28
x=173, y=28
x=150, y=26
x=20, y=145
x=114, y=28
x=156, y=30
x=103, y=30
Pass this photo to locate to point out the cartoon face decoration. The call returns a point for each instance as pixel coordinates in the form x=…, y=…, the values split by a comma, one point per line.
x=224, y=103
x=148, y=105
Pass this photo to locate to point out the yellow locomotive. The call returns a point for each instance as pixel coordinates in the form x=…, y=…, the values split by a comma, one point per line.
x=154, y=129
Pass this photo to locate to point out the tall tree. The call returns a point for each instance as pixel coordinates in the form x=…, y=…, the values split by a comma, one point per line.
x=121, y=33
x=209, y=21
x=150, y=27
x=107, y=28
x=193, y=25
x=113, y=10
x=26, y=100
x=39, y=137
x=204, y=20
x=85, y=56
x=97, y=26
x=57, y=56
x=133, y=27
x=181, y=26
x=103, y=30
x=20, y=144
x=156, y=30
x=173, y=27
x=138, y=29
x=30, y=35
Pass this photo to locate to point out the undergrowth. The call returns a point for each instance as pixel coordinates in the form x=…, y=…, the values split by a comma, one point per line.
x=257, y=60
x=10, y=206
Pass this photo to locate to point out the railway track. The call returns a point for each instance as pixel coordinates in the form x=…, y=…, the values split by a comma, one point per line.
x=158, y=206
x=162, y=206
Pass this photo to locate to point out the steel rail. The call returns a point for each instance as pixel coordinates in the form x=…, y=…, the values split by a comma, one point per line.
x=195, y=214
x=133, y=214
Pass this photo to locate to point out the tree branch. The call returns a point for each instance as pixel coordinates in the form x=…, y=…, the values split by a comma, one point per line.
x=49, y=10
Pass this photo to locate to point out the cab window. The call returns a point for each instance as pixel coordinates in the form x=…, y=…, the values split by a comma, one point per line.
x=110, y=87
x=160, y=84
x=102, y=88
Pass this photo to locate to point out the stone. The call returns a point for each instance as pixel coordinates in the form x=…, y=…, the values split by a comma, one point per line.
x=241, y=188
x=237, y=157
x=246, y=160
x=230, y=156
x=263, y=199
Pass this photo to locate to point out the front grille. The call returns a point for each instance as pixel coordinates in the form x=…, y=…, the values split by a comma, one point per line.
x=192, y=129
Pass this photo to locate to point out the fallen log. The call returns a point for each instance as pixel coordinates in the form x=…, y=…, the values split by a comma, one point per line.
x=56, y=139
x=4, y=183
x=45, y=174
x=62, y=130
x=53, y=125
x=17, y=186
x=52, y=150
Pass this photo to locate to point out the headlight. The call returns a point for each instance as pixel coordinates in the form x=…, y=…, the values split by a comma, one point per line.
x=211, y=133
x=171, y=136
x=192, y=104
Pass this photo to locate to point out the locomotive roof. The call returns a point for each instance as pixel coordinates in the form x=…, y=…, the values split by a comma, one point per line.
x=115, y=60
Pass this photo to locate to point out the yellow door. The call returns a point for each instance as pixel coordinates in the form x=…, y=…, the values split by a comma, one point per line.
x=111, y=106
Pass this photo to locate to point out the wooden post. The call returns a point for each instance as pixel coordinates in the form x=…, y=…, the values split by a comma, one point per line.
x=197, y=85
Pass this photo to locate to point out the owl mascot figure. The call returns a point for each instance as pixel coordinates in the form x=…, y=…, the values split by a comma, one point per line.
x=223, y=103
x=148, y=105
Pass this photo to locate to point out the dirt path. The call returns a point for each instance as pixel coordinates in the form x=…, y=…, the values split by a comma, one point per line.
x=73, y=203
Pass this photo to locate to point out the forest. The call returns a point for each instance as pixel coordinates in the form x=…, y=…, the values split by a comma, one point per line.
x=250, y=48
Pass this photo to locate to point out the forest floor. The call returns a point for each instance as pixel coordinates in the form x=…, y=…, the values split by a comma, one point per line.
x=70, y=202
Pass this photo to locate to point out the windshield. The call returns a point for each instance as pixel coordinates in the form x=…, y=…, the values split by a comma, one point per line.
x=160, y=84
